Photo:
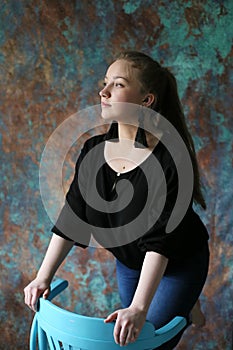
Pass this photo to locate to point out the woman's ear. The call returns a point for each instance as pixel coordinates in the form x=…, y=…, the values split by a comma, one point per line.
x=148, y=100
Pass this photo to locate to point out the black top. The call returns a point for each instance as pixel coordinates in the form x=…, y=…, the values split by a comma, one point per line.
x=128, y=217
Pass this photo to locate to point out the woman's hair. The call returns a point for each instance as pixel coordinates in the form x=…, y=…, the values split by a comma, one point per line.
x=161, y=82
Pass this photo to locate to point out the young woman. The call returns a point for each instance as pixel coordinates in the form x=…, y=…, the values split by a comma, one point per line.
x=160, y=274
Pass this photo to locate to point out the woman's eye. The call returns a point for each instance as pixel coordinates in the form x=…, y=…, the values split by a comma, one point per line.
x=119, y=85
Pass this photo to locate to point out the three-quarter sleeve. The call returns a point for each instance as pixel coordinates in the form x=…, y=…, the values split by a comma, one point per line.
x=157, y=238
x=72, y=222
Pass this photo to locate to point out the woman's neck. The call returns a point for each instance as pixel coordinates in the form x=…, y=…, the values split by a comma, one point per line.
x=127, y=131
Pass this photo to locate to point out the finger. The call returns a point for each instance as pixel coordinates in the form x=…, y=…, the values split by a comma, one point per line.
x=27, y=298
x=34, y=299
x=123, y=336
x=131, y=336
x=46, y=293
x=28, y=301
x=117, y=333
x=135, y=336
x=112, y=317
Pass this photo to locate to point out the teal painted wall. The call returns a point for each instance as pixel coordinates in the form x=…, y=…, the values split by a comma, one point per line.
x=53, y=55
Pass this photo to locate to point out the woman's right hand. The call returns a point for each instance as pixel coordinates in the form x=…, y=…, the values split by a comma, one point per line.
x=57, y=251
x=34, y=290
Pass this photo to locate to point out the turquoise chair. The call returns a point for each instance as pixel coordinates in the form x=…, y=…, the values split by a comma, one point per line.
x=57, y=329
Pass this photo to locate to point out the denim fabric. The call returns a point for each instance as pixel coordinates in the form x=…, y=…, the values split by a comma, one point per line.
x=177, y=293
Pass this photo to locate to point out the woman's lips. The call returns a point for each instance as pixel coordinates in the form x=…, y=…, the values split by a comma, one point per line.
x=104, y=104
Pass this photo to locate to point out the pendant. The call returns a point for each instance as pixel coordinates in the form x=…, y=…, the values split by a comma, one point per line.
x=114, y=184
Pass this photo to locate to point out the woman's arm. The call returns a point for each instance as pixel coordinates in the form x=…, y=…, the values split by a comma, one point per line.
x=57, y=251
x=153, y=269
x=130, y=321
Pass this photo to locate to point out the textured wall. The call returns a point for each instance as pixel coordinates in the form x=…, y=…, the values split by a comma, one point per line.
x=52, y=58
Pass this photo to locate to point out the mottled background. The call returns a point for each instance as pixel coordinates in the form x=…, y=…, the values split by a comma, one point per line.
x=53, y=56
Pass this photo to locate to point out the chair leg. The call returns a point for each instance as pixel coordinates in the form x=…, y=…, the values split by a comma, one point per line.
x=42, y=340
x=33, y=334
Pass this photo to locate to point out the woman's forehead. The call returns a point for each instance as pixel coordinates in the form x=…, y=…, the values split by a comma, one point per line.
x=121, y=68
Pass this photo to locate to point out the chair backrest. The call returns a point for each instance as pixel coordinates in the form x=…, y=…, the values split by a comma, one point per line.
x=64, y=330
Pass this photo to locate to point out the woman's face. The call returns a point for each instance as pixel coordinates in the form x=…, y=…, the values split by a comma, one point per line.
x=121, y=85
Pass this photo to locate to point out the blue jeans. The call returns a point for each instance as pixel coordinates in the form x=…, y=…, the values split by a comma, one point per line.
x=176, y=294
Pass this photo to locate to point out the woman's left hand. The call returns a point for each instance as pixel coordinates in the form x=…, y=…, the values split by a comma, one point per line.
x=129, y=322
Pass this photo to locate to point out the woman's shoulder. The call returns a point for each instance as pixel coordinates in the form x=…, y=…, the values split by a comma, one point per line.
x=170, y=152
x=89, y=144
x=93, y=141
x=163, y=155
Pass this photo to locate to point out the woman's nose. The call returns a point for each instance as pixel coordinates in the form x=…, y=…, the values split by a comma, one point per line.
x=104, y=92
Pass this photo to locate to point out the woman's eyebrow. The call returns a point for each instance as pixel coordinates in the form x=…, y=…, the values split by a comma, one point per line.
x=119, y=77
